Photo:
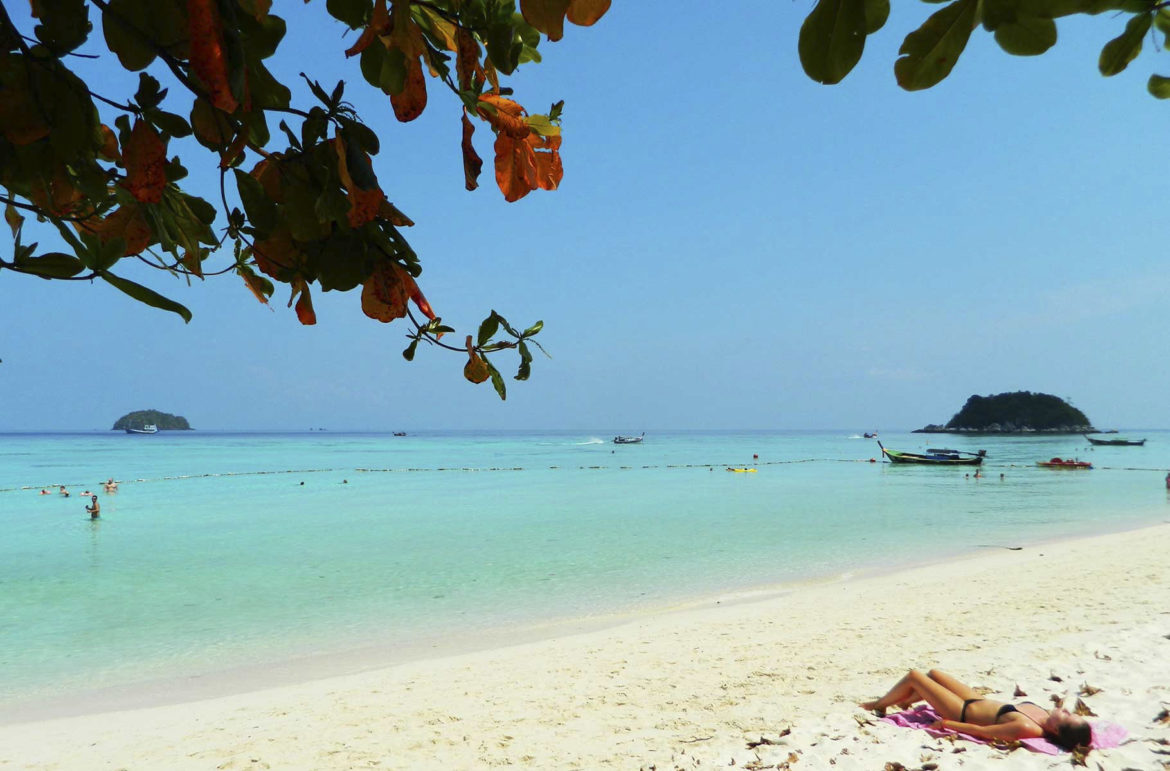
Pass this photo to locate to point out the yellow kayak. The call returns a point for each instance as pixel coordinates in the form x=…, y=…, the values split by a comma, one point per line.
x=742, y=470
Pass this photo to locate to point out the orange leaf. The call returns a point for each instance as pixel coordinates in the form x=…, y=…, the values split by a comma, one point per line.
x=549, y=171
x=145, y=157
x=548, y=16
x=193, y=261
x=417, y=296
x=208, y=60
x=255, y=284
x=507, y=117
x=228, y=157
x=267, y=173
x=476, y=369
x=305, y=312
x=585, y=13
x=467, y=59
x=55, y=193
x=472, y=163
x=379, y=25
x=390, y=213
x=278, y=255
x=127, y=223
x=385, y=292
x=515, y=167
x=109, y=148
x=413, y=100
x=364, y=205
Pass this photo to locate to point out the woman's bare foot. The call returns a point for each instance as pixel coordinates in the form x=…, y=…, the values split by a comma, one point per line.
x=872, y=706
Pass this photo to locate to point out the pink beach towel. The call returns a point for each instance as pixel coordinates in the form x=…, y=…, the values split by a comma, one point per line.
x=1105, y=734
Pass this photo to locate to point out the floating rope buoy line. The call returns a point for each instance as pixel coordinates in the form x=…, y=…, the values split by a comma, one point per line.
x=488, y=469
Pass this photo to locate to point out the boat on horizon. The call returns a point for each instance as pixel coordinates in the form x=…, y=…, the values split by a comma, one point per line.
x=936, y=457
x=1119, y=442
x=149, y=428
x=1064, y=463
x=619, y=439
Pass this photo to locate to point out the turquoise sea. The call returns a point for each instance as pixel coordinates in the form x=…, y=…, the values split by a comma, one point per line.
x=226, y=559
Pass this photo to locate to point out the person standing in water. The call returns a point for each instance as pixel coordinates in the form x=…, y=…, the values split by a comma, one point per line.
x=94, y=508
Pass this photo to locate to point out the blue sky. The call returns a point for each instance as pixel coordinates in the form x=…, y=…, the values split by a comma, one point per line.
x=733, y=246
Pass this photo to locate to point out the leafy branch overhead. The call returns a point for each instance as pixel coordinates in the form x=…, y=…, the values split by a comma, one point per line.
x=832, y=38
x=102, y=169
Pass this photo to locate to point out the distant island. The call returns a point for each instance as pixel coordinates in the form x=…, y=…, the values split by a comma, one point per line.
x=1021, y=412
x=163, y=420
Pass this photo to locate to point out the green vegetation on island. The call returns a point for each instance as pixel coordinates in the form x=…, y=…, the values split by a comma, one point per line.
x=1015, y=413
x=163, y=420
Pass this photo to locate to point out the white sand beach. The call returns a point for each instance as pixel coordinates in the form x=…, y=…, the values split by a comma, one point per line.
x=700, y=688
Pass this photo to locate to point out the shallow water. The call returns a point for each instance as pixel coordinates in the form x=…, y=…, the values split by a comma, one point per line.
x=235, y=550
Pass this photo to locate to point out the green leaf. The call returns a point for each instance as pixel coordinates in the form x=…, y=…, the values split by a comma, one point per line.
x=832, y=39
x=392, y=76
x=51, y=265
x=497, y=379
x=532, y=330
x=174, y=125
x=128, y=43
x=371, y=63
x=360, y=134
x=1159, y=86
x=502, y=47
x=488, y=329
x=352, y=12
x=876, y=13
x=929, y=53
x=408, y=354
x=262, y=38
x=149, y=94
x=147, y=296
x=525, y=363
x=1026, y=37
x=64, y=24
x=267, y=92
x=1123, y=49
x=260, y=208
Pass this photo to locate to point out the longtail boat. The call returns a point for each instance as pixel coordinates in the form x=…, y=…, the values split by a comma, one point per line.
x=1116, y=442
x=936, y=457
x=1064, y=463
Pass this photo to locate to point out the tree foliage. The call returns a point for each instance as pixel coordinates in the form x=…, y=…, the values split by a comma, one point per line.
x=1017, y=411
x=832, y=38
x=99, y=167
x=164, y=421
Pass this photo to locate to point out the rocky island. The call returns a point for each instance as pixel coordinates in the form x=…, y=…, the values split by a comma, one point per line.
x=1021, y=412
x=163, y=420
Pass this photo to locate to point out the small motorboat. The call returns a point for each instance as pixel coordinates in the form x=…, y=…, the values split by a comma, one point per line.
x=934, y=457
x=868, y=435
x=629, y=439
x=149, y=428
x=1063, y=463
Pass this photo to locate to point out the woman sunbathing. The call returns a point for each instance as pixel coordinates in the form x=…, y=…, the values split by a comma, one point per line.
x=963, y=709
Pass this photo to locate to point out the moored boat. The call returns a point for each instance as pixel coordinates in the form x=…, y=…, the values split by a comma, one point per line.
x=1116, y=442
x=629, y=439
x=149, y=428
x=936, y=457
x=1064, y=463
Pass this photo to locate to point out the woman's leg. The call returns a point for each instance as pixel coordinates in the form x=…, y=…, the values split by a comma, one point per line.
x=899, y=694
x=960, y=689
x=914, y=686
